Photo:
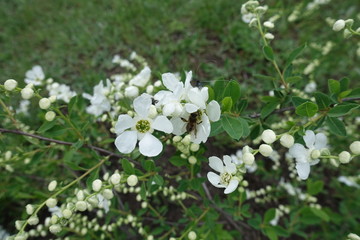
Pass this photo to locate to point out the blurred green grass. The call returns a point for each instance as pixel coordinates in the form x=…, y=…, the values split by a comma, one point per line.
x=75, y=41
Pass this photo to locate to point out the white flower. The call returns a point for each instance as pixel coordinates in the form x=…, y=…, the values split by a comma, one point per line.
x=304, y=156
x=99, y=101
x=141, y=128
x=60, y=91
x=142, y=78
x=339, y=25
x=226, y=179
x=310, y=87
x=35, y=76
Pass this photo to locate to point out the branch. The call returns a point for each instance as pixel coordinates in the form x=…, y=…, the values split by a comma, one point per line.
x=98, y=149
x=291, y=108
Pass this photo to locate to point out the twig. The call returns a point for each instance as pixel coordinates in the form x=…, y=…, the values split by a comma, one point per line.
x=98, y=149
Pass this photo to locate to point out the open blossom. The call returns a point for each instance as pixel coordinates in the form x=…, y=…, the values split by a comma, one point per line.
x=61, y=91
x=99, y=101
x=226, y=177
x=35, y=76
x=238, y=160
x=305, y=157
x=141, y=127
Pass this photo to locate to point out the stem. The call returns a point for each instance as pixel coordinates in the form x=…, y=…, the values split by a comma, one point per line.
x=195, y=223
x=7, y=110
x=61, y=191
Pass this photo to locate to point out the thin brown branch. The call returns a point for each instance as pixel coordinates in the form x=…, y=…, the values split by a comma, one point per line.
x=98, y=149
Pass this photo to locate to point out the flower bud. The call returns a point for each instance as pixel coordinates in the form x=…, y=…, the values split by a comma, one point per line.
x=67, y=213
x=344, y=157
x=269, y=36
x=52, y=98
x=49, y=116
x=347, y=33
x=10, y=84
x=248, y=158
x=353, y=236
x=44, y=103
x=192, y=160
x=194, y=147
x=315, y=154
x=52, y=185
x=152, y=111
x=192, y=235
x=186, y=140
x=80, y=195
x=149, y=89
x=131, y=92
x=51, y=202
x=253, y=22
x=33, y=220
x=355, y=147
x=260, y=10
x=27, y=93
x=268, y=136
x=287, y=140
x=177, y=139
x=132, y=180
x=108, y=194
x=96, y=185
x=339, y=25
x=56, y=228
x=265, y=150
x=81, y=206
x=29, y=209
x=349, y=22
x=268, y=24
x=115, y=178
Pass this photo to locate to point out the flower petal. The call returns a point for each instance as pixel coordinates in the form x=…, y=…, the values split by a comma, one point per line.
x=232, y=186
x=188, y=79
x=126, y=141
x=170, y=81
x=142, y=104
x=214, y=179
x=321, y=141
x=213, y=111
x=203, y=131
x=216, y=164
x=168, y=109
x=196, y=98
x=230, y=167
x=124, y=122
x=303, y=170
x=163, y=124
x=299, y=152
x=142, y=78
x=309, y=138
x=190, y=108
x=150, y=146
x=179, y=126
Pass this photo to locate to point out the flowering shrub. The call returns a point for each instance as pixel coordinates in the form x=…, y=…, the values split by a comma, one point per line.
x=144, y=157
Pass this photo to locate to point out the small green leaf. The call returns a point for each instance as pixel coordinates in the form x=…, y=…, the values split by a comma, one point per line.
x=321, y=214
x=159, y=180
x=297, y=101
x=216, y=128
x=226, y=104
x=342, y=109
x=268, y=108
x=264, y=77
x=268, y=53
x=178, y=161
x=235, y=127
x=334, y=86
x=336, y=126
x=344, y=84
x=46, y=126
x=271, y=233
x=149, y=165
x=293, y=79
x=314, y=187
x=77, y=145
x=307, y=109
x=269, y=215
x=233, y=90
x=322, y=100
x=294, y=54
x=127, y=167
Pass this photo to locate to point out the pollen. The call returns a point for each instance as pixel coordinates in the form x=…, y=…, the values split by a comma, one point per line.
x=143, y=126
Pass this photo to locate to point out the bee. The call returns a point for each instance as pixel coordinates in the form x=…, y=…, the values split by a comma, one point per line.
x=154, y=101
x=192, y=122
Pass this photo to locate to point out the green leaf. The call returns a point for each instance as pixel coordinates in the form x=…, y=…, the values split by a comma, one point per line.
x=314, y=187
x=269, y=215
x=268, y=108
x=293, y=79
x=216, y=128
x=271, y=233
x=307, y=109
x=268, y=53
x=178, y=161
x=297, y=101
x=345, y=93
x=334, y=86
x=355, y=93
x=264, y=77
x=336, y=126
x=127, y=167
x=235, y=127
x=321, y=214
x=77, y=145
x=149, y=165
x=322, y=100
x=342, y=109
x=159, y=180
x=233, y=90
x=46, y=126
x=241, y=105
x=71, y=104
x=219, y=87
x=294, y=54
x=344, y=84
x=226, y=104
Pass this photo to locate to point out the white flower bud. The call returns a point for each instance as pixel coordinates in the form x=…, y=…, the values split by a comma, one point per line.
x=253, y=22
x=52, y=98
x=355, y=147
x=51, y=202
x=149, y=89
x=81, y=206
x=260, y=10
x=132, y=180
x=248, y=158
x=192, y=235
x=347, y=33
x=268, y=136
x=115, y=178
x=96, y=185
x=349, y=22
x=10, y=84
x=108, y=194
x=80, y=195
x=265, y=150
x=27, y=93
x=269, y=24
x=33, y=220
x=192, y=160
x=56, y=228
x=44, y=103
x=186, y=140
x=353, y=236
x=157, y=83
x=344, y=157
x=152, y=112
x=49, y=116
x=269, y=36
x=339, y=25
x=20, y=237
x=52, y=185
x=131, y=92
x=150, y=237
x=67, y=213
x=287, y=140
x=177, y=139
x=194, y=147
x=315, y=154
x=29, y=209
x=144, y=205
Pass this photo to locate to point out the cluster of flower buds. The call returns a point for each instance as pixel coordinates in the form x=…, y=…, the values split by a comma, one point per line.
x=346, y=25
